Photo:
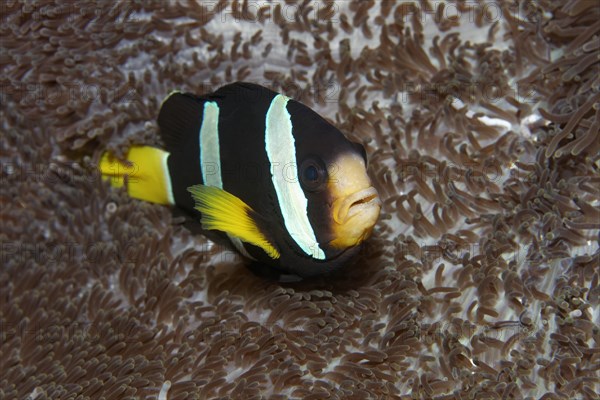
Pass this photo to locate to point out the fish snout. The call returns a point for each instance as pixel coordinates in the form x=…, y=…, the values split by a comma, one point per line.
x=363, y=201
x=354, y=216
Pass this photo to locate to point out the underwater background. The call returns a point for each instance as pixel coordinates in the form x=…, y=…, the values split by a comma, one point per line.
x=481, y=122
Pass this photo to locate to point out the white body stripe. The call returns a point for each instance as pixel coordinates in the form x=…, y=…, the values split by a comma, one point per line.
x=210, y=153
x=281, y=151
x=210, y=157
x=167, y=177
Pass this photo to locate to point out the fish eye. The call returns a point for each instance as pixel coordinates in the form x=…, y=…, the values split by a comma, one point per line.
x=312, y=174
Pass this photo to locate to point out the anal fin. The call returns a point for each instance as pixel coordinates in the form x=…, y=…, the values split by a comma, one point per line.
x=225, y=212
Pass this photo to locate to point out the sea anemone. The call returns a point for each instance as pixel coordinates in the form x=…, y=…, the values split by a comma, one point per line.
x=481, y=121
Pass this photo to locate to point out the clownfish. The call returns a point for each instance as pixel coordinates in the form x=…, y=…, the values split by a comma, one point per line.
x=261, y=172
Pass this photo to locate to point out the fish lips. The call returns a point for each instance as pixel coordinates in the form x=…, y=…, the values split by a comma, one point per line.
x=346, y=208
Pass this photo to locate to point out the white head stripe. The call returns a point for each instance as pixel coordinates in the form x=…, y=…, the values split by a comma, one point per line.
x=210, y=157
x=281, y=150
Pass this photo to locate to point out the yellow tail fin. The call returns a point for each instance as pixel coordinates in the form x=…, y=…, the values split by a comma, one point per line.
x=147, y=174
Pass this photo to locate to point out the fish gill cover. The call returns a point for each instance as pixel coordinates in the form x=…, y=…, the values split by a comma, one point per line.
x=481, y=121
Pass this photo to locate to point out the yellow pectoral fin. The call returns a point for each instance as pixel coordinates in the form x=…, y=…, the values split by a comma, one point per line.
x=146, y=171
x=225, y=212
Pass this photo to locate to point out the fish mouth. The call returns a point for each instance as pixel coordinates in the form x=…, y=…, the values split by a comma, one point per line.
x=355, y=204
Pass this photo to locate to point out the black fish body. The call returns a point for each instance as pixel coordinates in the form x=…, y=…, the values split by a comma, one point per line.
x=264, y=173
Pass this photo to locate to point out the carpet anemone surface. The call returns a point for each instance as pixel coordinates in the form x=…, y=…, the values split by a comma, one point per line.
x=481, y=280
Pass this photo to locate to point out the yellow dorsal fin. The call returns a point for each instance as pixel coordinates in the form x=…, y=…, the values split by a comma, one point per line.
x=147, y=174
x=225, y=212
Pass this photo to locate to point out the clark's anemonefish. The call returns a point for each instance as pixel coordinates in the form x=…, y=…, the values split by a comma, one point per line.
x=260, y=171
